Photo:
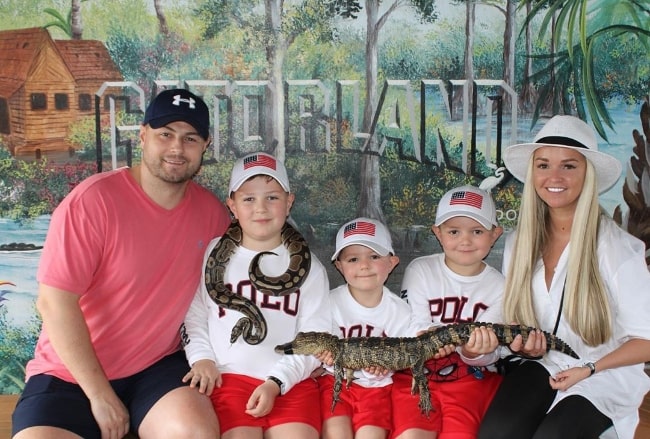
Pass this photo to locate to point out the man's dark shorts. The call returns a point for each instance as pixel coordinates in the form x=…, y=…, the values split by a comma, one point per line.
x=50, y=401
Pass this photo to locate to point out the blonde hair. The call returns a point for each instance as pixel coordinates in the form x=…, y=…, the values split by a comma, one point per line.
x=585, y=308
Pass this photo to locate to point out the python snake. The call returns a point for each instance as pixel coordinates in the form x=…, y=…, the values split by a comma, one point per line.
x=253, y=326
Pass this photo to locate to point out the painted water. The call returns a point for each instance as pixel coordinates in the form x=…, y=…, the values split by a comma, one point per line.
x=19, y=267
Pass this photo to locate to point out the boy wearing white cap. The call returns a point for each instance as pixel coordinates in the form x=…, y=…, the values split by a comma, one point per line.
x=363, y=307
x=453, y=287
x=253, y=388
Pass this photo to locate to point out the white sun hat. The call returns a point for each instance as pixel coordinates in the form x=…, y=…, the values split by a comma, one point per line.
x=566, y=132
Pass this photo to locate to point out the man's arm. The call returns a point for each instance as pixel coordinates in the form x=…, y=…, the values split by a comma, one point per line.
x=68, y=333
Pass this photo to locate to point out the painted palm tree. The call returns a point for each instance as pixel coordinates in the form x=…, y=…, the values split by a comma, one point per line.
x=636, y=190
x=71, y=24
x=76, y=29
x=579, y=25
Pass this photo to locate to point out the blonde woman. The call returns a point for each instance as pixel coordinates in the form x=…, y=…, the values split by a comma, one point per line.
x=572, y=271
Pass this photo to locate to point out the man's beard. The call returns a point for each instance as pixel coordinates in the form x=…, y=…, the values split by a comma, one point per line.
x=157, y=169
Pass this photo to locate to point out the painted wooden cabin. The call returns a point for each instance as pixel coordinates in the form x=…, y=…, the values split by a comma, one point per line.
x=45, y=85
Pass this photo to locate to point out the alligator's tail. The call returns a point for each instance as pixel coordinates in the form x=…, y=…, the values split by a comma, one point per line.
x=458, y=334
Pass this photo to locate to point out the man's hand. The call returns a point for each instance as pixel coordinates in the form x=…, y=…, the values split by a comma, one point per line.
x=71, y=341
x=111, y=416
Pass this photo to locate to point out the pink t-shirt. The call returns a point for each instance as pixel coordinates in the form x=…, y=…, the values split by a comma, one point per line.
x=135, y=265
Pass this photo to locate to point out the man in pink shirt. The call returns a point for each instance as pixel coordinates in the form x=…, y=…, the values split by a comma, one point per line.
x=120, y=265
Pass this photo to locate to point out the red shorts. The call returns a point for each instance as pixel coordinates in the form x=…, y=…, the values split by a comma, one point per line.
x=300, y=404
x=363, y=405
x=406, y=413
x=460, y=404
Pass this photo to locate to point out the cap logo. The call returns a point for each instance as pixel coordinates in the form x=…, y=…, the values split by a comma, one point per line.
x=259, y=160
x=359, y=228
x=190, y=101
x=466, y=198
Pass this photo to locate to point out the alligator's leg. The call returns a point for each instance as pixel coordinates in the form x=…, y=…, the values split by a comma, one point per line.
x=338, y=384
x=420, y=381
x=349, y=377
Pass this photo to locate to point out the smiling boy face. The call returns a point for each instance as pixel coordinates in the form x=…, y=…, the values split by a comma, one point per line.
x=365, y=271
x=261, y=206
x=466, y=242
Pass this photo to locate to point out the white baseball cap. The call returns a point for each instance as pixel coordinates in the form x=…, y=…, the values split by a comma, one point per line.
x=367, y=232
x=566, y=132
x=258, y=163
x=468, y=201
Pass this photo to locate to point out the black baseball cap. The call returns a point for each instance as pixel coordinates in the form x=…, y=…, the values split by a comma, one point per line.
x=178, y=104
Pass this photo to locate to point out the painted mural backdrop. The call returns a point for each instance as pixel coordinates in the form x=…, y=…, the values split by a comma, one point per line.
x=376, y=107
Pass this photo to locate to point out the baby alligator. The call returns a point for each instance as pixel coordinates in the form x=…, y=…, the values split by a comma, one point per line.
x=396, y=353
x=253, y=325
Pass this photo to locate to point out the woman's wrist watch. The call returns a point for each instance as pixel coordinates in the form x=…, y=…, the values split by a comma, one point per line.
x=591, y=366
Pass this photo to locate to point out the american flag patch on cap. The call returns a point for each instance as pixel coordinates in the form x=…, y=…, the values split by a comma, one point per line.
x=259, y=160
x=359, y=228
x=466, y=198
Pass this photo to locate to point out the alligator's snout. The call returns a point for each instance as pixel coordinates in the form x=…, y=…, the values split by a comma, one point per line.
x=286, y=348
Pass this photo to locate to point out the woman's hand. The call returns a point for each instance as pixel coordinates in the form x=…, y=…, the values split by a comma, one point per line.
x=534, y=347
x=567, y=378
